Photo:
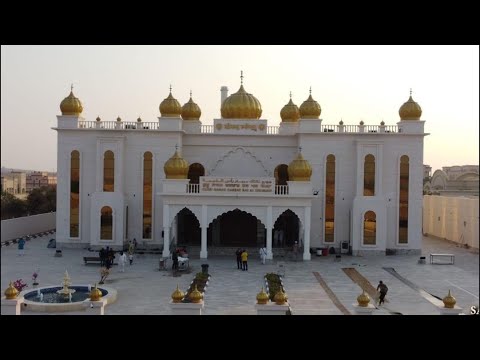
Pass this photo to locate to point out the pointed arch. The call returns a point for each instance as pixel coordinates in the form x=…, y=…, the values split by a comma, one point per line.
x=286, y=229
x=245, y=153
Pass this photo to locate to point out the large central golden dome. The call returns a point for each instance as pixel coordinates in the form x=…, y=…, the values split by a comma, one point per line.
x=241, y=105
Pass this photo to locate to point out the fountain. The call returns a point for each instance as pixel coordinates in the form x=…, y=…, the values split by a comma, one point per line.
x=64, y=298
x=66, y=292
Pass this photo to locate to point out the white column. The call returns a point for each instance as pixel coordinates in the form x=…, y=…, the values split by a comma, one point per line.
x=306, y=237
x=269, y=233
x=166, y=231
x=203, y=248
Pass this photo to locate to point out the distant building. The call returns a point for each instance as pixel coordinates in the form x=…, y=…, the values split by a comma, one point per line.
x=14, y=183
x=427, y=172
x=37, y=179
x=454, y=181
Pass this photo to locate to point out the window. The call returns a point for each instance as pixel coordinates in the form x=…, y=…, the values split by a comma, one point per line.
x=147, y=195
x=108, y=171
x=403, y=201
x=370, y=228
x=75, y=194
x=106, y=223
x=330, y=199
x=369, y=176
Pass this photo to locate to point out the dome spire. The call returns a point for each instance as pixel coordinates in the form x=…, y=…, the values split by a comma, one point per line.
x=410, y=92
x=310, y=91
x=290, y=95
x=241, y=77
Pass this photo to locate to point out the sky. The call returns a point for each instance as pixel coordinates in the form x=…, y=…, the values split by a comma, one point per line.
x=351, y=83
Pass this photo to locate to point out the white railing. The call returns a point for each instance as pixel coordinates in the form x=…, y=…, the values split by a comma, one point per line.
x=118, y=125
x=281, y=189
x=206, y=129
x=193, y=188
x=359, y=128
x=272, y=130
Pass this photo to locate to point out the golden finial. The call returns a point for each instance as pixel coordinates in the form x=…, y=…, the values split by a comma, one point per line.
x=11, y=292
x=177, y=295
x=262, y=297
x=410, y=91
x=449, y=301
x=280, y=297
x=290, y=95
x=300, y=149
x=176, y=147
x=196, y=296
x=139, y=119
x=71, y=87
x=363, y=299
x=95, y=294
x=98, y=118
x=310, y=90
x=241, y=77
x=190, y=94
x=170, y=88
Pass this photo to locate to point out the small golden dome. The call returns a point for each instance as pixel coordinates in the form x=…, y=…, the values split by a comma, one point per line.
x=290, y=112
x=310, y=109
x=176, y=167
x=449, y=301
x=170, y=107
x=361, y=123
x=341, y=122
x=95, y=294
x=119, y=118
x=177, y=295
x=196, y=296
x=191, y=111
x=382, y=123
x=139, y=119
x=11, y=292
x=262, y=297
x=71, y=105
x=241, y=105
x=299, y=169
x=280, y=298
x=363, y=299
x=98, y=118
x=410, y=110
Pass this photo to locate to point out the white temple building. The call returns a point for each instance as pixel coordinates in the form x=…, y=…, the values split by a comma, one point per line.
x=240, y=182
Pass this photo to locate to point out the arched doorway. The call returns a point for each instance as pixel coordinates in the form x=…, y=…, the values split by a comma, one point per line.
x=188, y=228
x=194, y=172
x=236, y=228
x=286, y=230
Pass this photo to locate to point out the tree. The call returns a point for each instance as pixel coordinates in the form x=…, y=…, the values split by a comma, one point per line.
x=12, y=207
x=42, y=200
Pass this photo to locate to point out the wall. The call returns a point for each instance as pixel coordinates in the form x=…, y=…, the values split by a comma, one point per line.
x=15, y=228
x=451, y=218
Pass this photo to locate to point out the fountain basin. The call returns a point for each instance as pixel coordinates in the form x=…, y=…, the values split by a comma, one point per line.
x=54, y=303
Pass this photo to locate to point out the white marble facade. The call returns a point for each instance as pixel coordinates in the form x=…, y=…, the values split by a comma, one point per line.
x=239, y=149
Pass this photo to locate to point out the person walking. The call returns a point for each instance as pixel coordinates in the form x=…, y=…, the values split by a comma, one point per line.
x=238, y=253
x=174, y=260
x=245, y=260
x=130, y=258
x=21, y=247
x=383, y=289
x=263, y=254
x=122, y=260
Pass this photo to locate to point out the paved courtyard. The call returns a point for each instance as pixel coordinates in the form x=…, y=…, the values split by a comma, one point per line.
x=321, y=286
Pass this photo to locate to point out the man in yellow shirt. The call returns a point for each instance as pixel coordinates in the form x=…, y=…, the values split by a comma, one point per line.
x=244, y=260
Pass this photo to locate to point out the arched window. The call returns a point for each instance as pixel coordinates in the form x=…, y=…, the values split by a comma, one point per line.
x=147, y=195
x=106, y=223
x=75, y=194
x=330, y=199
x=403, y=201
x=108, y=171
x=369, y=176
x=281, y=174
x=370, y=228
x=194, y=172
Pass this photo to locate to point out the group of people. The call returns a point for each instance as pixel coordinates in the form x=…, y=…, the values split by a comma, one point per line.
x=180, y=254
x=106, y=257
x=242, y=259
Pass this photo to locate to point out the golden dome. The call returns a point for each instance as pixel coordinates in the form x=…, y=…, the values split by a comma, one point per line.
x=290, y=112
x=449, y=301
x=262, y=297
x=310, y=109
x=196, y=296
x=299, y=169
x=71, y=105
x=410, y=110
x=191, y=111
x=280, y=298
x=170, y=107
x=241, y=105
x=363, y=299
x=177, y=295
x=139, y=119
x=95, y=294
x=176, y=167
x=98, y=118
x=119, y=118
x=11, y=292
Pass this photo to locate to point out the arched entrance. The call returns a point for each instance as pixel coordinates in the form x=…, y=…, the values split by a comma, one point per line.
x=286, y=230
x=188, y=228
x=236, y=228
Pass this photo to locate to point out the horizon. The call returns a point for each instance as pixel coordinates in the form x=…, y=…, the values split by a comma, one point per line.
x=351, y=83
